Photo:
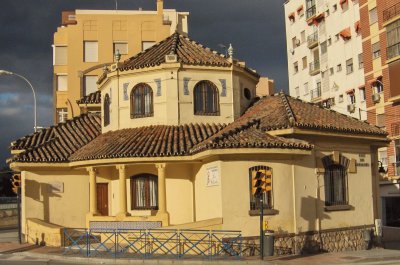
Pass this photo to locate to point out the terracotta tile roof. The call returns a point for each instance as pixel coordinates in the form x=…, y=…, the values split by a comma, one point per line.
x=58, y=142
x=80, y=139
x=282, y=112
x=237, y=135
x=186, y=50
x=149, y=141
x=92, y=98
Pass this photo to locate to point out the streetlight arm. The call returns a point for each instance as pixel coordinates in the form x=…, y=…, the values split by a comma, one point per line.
x=3, y=72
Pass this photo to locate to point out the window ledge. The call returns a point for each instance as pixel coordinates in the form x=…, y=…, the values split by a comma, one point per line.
x=266, y=212
x=338, y=208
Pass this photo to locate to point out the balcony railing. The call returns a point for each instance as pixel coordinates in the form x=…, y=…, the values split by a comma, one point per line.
x=393, y=51
x=312, y=40
x=314, y=67
x=391, y=12
x=311, y=11
x=316, y=93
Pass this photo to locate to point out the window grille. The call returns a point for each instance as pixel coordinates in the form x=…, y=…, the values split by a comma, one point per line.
x=141, y=101
x=206, y=99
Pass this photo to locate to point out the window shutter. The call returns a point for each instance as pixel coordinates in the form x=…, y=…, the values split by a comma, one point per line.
x=62, y=82
x=90, y=84
x=91, y=51
x=121, y=47
x=60, y=55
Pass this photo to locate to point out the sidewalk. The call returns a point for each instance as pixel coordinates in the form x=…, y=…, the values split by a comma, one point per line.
x=350, y=257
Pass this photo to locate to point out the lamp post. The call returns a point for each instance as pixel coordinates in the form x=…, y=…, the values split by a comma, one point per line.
x=3, y=72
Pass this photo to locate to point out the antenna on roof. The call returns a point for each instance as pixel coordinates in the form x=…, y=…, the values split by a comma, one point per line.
x=116, y=4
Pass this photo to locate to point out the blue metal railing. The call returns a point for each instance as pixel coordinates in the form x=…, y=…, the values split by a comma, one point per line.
x=154, y=243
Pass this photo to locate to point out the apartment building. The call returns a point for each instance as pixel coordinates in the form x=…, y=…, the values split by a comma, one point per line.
x=324, y=48
x=87, y=41
x=380, y=27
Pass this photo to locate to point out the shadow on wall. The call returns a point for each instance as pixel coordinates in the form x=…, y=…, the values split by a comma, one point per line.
x=41, y=193
x=310, y=210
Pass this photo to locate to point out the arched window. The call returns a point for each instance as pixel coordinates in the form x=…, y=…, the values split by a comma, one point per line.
x=336, y=185
x=106, y=109
x=141, y=101
x=206, y=98
x=144, y=192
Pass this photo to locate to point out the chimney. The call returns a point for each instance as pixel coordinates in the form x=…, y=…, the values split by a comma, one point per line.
x=160, y=7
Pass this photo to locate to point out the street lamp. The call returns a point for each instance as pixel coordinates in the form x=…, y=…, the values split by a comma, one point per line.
x=3, y=72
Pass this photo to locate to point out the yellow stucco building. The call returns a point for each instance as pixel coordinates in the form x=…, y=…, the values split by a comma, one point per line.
x=180, y=135
x=88, y=39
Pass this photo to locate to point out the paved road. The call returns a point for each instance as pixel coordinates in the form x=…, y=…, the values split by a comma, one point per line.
x=15, y=259
x=8, y=236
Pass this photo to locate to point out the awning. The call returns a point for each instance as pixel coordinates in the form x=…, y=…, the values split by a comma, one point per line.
x=342, y=2
x=291, y=15
x=316, y=19
x=357, y=26
x=299, y=9
x=361, y=87
x=346, y=33
x=350, y=91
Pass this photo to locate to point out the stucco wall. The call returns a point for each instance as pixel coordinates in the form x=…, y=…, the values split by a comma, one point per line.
x=208, y=199
x=67, y=208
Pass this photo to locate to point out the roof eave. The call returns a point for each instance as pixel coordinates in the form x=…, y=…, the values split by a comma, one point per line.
x=360, y=136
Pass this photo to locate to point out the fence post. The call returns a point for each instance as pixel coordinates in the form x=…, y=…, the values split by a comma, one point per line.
x=87, y=242
x=115, y=243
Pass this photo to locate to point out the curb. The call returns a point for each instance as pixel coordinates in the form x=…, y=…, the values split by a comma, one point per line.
x=136, y=261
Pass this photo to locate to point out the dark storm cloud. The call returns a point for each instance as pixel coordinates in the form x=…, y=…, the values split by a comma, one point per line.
x=254, y=27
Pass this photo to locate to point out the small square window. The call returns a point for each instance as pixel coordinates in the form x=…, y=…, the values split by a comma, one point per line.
x=340, y=98
x=121, y=47
x=324, y=47
x=337, y=37
x=295, y=67
x=297, y=92
x=334, y=7
x=91, y=51
x=349, y=66
x=304, y=60
x=339, y=68
x=329, y=42
x=360, y=61
x=331, y=71
x=373, y=16
x=362, y=94
x=376, y=50
x=306, y=88
x=303, y=36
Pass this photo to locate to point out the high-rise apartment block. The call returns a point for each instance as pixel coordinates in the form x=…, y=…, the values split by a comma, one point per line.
x=88, y=39
x=380, y=27
x=324, y=48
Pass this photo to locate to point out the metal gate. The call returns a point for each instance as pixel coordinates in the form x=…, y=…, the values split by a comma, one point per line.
x=154, y=243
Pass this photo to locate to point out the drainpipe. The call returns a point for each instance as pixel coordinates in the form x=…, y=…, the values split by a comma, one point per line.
x=294, y=208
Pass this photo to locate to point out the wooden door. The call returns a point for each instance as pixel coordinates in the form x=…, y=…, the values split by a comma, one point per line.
x=102, y=198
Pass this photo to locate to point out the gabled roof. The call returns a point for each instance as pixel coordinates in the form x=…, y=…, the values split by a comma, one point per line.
x=282, y=112
x=57, y=143
x=92, y=98
x=187, y=52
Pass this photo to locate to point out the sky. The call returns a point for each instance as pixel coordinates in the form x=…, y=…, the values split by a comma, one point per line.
x=255, y=28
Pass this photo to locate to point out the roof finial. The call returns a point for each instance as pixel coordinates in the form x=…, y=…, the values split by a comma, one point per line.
x=230, y=50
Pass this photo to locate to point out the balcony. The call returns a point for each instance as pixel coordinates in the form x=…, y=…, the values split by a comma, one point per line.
x=316, y=93
x=314, y=67
x=312, y=40
x=393, y=51
x=311, y=12
x=391, y=12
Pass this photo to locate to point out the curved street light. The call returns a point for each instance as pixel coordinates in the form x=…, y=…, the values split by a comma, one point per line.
x=4, y=72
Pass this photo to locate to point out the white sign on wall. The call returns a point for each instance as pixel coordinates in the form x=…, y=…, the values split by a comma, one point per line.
x=56, y=187
x=212, y=176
